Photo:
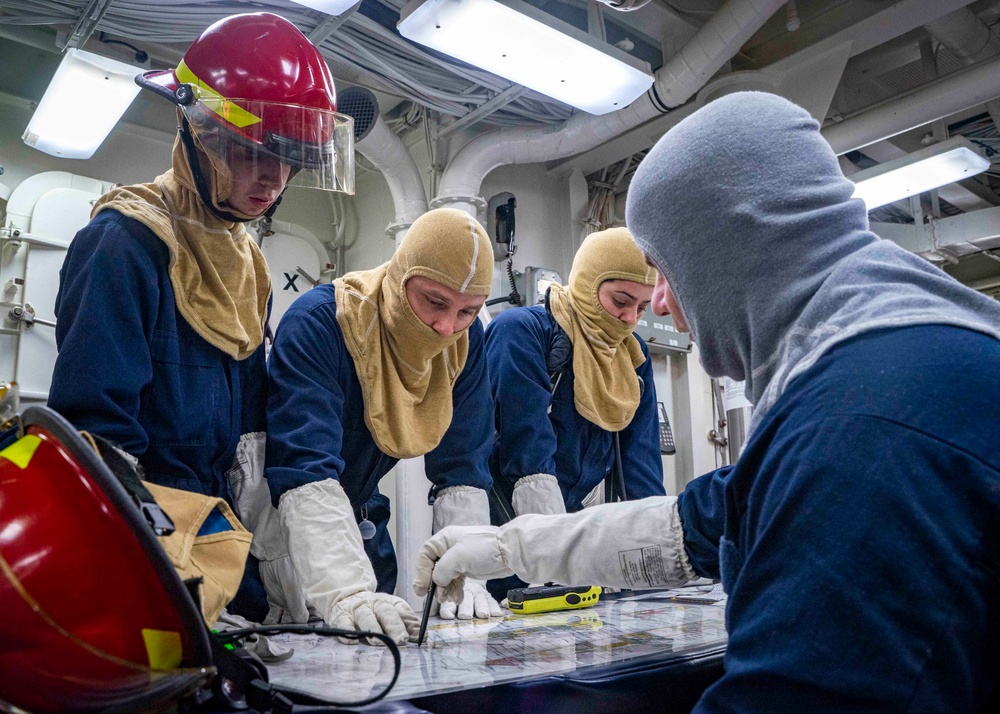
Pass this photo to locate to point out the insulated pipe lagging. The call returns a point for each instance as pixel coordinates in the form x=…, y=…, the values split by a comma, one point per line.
x=390, y=156
x=377, y=143
x=465, y=172
x=676, y=82
x=716, y=43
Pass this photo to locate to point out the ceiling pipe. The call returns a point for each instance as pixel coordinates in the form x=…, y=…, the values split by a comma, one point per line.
x=970, y=40
x=377, y=143
x=948, y=95
x=676, y=82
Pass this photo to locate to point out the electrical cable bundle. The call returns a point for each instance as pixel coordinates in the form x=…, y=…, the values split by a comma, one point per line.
x=390, y=62
x=277, y=695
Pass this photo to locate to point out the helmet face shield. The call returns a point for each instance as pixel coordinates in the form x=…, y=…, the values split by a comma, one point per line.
x=255, y=81
x=276, y=142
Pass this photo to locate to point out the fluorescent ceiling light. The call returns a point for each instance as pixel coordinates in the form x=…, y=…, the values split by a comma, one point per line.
x=330, y=7
x=85, y=99
x=529, y=47
x=923, y=170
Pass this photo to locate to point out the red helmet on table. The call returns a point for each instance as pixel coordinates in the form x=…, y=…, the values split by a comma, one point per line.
x=94, y=614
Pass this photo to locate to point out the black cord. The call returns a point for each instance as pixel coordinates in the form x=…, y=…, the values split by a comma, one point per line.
x=497, y=301
x=515, y=296
x=298, y=697
x=619, y=476
x=140, y=55
x=990, y=151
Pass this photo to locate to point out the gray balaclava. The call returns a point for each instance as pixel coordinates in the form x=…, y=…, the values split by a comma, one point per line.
x=743, y=208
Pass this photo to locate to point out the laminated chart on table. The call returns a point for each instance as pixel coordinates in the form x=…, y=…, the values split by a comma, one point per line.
x=460, y=655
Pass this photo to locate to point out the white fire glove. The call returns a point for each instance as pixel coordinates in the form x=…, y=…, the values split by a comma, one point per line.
x=636, y=544
x=252, y=503
x=464, y=506
x=284, y=595
x=595, y=497
x=538, y=493
x=330, y=560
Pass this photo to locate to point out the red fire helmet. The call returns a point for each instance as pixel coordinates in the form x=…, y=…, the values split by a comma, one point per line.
x=94, y=614
x=258, y=77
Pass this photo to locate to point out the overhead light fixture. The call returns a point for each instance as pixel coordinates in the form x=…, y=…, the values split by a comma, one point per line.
x=85, y=99
x=937, y=165
x=330, y=7
x=531, y=48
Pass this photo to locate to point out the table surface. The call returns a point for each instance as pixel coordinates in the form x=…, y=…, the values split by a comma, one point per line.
x=459, y=655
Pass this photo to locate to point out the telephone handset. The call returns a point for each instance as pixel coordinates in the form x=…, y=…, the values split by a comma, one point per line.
x=505, y=226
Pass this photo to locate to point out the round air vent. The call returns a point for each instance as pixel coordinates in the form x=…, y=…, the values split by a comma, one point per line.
x=361, y=105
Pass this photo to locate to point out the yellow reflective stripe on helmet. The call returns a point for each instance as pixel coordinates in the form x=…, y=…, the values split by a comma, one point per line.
x=20, y=452
x=163, y=648
x=234, y=114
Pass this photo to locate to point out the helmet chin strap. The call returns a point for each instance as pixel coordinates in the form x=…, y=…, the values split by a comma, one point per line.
x=199, y=179
x=274, y=206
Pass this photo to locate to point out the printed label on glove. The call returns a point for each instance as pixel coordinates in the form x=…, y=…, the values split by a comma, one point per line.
x=644, y=567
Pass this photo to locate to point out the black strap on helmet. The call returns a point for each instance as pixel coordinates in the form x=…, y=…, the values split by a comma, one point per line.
x=131, y=476
x=274, y=206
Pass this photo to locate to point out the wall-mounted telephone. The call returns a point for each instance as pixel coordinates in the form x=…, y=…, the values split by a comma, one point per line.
x=500, y=220
x=500, y=225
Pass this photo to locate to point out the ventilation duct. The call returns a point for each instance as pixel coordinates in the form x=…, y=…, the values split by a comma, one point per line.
x=376, y=142
x=676, y=82
x=361, y=105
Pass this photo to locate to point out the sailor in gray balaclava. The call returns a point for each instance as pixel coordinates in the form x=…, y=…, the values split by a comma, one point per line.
x=856, y=535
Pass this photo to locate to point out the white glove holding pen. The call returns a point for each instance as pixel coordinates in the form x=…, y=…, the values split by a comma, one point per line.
x=538, y=493
x=635, y=544
x=464, y=506
x=333, y=568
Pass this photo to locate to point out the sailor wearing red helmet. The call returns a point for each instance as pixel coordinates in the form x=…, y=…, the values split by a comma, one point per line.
x=164, y=297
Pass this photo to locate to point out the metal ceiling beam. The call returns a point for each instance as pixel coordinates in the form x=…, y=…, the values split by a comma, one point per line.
x=932, y=101
x=985, y=284
x=37, y=37
x=980, y=229
x=866, y=33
